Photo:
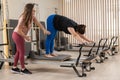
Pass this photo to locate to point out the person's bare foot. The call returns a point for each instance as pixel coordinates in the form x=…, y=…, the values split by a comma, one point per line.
x=53, y=54
x=48, y=55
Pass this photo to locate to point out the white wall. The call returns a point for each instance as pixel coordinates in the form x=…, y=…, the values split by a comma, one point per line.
x=100, y=17
x=46, y=7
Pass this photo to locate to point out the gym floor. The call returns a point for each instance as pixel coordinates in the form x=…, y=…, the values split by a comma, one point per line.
x=109, y=70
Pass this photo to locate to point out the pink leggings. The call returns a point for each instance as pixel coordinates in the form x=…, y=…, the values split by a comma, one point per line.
x=20, y=50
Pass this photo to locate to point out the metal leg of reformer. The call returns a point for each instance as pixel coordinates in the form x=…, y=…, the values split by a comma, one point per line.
x=1, y=64
x=76, y=70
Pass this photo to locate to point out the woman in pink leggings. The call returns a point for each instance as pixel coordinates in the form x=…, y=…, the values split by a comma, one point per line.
x=20, y=35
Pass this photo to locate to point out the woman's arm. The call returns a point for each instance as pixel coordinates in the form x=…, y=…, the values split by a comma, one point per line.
x=41, y=26
x=75, y=34
x=86, y=39
x=20, y=32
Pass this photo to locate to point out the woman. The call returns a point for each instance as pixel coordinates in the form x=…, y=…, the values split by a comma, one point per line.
x=61, y=23
x=20, y=35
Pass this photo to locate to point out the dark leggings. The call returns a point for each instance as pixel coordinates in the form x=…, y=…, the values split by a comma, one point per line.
x=20, y=50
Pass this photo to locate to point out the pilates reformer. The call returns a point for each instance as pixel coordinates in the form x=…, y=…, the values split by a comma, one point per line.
x=98, y=49
x=85, y=64
x=86, y=48
x=112, y=47
x=101, y=45
x=110, y=50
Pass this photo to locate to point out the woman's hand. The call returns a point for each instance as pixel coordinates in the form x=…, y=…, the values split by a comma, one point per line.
x=27, y=38
x=91, y=41
x=46, y=32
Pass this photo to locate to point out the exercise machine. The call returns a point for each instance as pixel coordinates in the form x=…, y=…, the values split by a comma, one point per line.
x=85, y=64
x=112, y=47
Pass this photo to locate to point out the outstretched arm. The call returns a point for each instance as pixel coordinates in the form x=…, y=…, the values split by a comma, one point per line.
x=75, y=34
x=41, y=26
x=86, y=39
x=78, y=36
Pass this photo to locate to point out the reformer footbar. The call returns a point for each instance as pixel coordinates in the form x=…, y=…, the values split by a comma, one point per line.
x=96, y=49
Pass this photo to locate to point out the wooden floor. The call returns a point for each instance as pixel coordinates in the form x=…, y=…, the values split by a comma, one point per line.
x=109, y=70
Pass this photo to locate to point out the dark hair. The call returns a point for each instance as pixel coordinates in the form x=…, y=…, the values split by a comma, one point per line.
x=27, y=14
x=81, y=28
x=0, y=7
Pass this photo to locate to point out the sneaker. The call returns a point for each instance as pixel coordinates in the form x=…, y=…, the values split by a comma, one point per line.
x=15, y=70
x=26, y=71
